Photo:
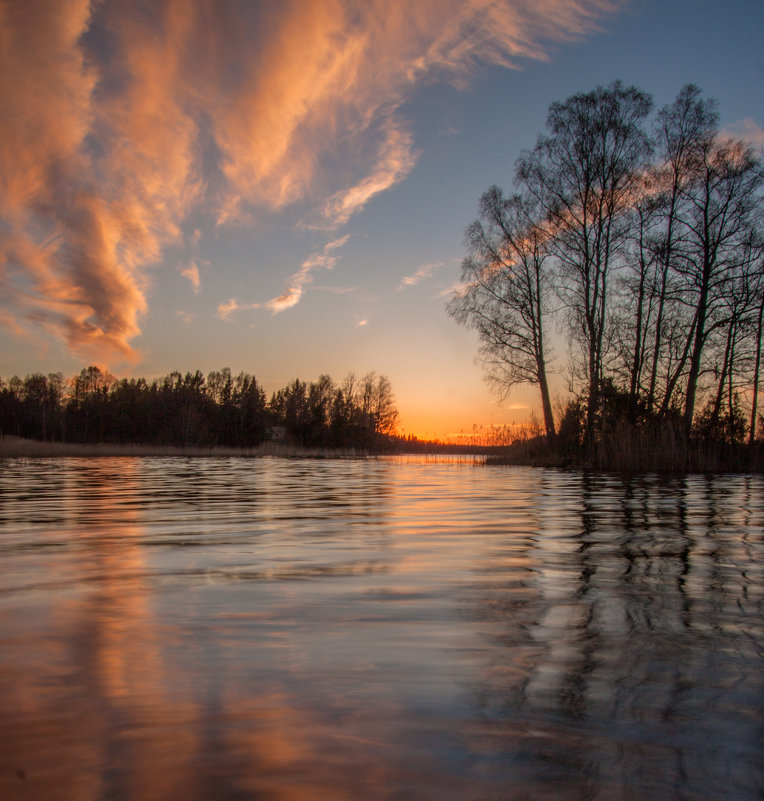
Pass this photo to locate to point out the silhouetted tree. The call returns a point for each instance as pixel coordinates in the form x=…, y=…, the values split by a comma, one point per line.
x=377, y=406
x=505, y=294
x=681, y=129
x=653, y=247
x=585, y=175
x=10, y=407
x=87, y=412
x=758, y=333
x=249, y=398
x=720, y=206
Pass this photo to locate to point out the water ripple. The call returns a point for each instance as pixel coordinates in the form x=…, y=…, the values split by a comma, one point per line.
x=377, y=628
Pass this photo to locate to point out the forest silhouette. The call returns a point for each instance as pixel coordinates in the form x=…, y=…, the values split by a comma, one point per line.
x=194, y=410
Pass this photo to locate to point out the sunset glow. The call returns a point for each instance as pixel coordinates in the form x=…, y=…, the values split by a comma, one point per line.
x=283, y=188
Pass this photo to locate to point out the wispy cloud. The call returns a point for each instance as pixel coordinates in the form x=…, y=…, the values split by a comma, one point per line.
x=324, y=258
x=116, y=123
x=457, y=288
x=297, y=284
x=423, y=273
x=225, y=310
x=748, y=130
x=191, y=271
x=395, y=161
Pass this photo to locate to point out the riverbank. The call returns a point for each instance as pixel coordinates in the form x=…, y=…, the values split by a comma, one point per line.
x=27, y=448
x=634, y=454
x=637, y=451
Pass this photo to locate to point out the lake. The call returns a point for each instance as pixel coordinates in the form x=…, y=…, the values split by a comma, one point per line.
x=389, y=628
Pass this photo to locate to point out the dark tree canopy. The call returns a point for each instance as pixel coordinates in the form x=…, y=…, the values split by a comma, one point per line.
x=219, y=409
x=643, y=240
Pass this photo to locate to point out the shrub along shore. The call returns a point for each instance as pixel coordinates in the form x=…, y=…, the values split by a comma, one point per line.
x=631, y=451
x=17, y=447
x=635, y=449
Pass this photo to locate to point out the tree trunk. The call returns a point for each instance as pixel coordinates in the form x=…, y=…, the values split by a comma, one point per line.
x=730, y=394
x=673, y=378
x=756, y=371
x=697, y=349
x=726, y=368
x=638, y=360
x=546, y=403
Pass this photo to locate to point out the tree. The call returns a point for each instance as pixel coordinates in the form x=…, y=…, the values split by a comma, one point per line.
x=319, y=407
x=721, y=204
x=585, y=175
x=11, y=407
x=90, y=392
x=377, y=406
x=681, y=129
x=758, y=333
x=249, y=397
x=504, y=294
x=652, y=246
x=635, y=312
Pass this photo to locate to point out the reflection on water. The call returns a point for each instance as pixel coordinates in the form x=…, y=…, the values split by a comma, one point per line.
x=377, y=629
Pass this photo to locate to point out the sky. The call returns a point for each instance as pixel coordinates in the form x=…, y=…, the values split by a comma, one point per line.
x=283, y=188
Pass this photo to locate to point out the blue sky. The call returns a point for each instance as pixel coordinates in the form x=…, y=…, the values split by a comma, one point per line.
x=285, y=192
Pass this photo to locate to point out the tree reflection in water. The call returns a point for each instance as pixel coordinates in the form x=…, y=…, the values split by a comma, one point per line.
x=631, y=659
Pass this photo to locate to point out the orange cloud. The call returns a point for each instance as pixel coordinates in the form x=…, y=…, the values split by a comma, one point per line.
x=747, y=130
x=225, y=310
x=396, y=160
x=296, y=286
x=422, y=274
x=115, y=123
x=192, y=273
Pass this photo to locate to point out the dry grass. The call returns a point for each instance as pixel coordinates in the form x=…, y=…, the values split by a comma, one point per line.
x=27, y=448
x=625, y=449
x=664, y=448
x=661, y=448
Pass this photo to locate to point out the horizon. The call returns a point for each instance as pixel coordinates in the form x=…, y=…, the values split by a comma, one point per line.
x=285, y=192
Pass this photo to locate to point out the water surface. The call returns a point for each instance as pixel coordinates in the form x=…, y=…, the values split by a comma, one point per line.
x=377, y=629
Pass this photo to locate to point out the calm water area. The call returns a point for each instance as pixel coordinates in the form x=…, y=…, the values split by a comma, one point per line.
x=367, y=629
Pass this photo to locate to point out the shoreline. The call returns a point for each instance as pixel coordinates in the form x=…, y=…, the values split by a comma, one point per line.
x=12, y=447
x=19, y=448
x=676, y=461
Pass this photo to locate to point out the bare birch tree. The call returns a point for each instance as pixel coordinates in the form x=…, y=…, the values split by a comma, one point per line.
x=505, y=295
x=585, y=175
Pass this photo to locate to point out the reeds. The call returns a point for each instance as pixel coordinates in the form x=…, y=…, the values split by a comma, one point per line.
x=28, y=448
x=661, y=447
x=665, y=448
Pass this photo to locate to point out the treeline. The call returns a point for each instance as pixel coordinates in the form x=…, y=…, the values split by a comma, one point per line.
x=194, y=410
x=640, y=236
